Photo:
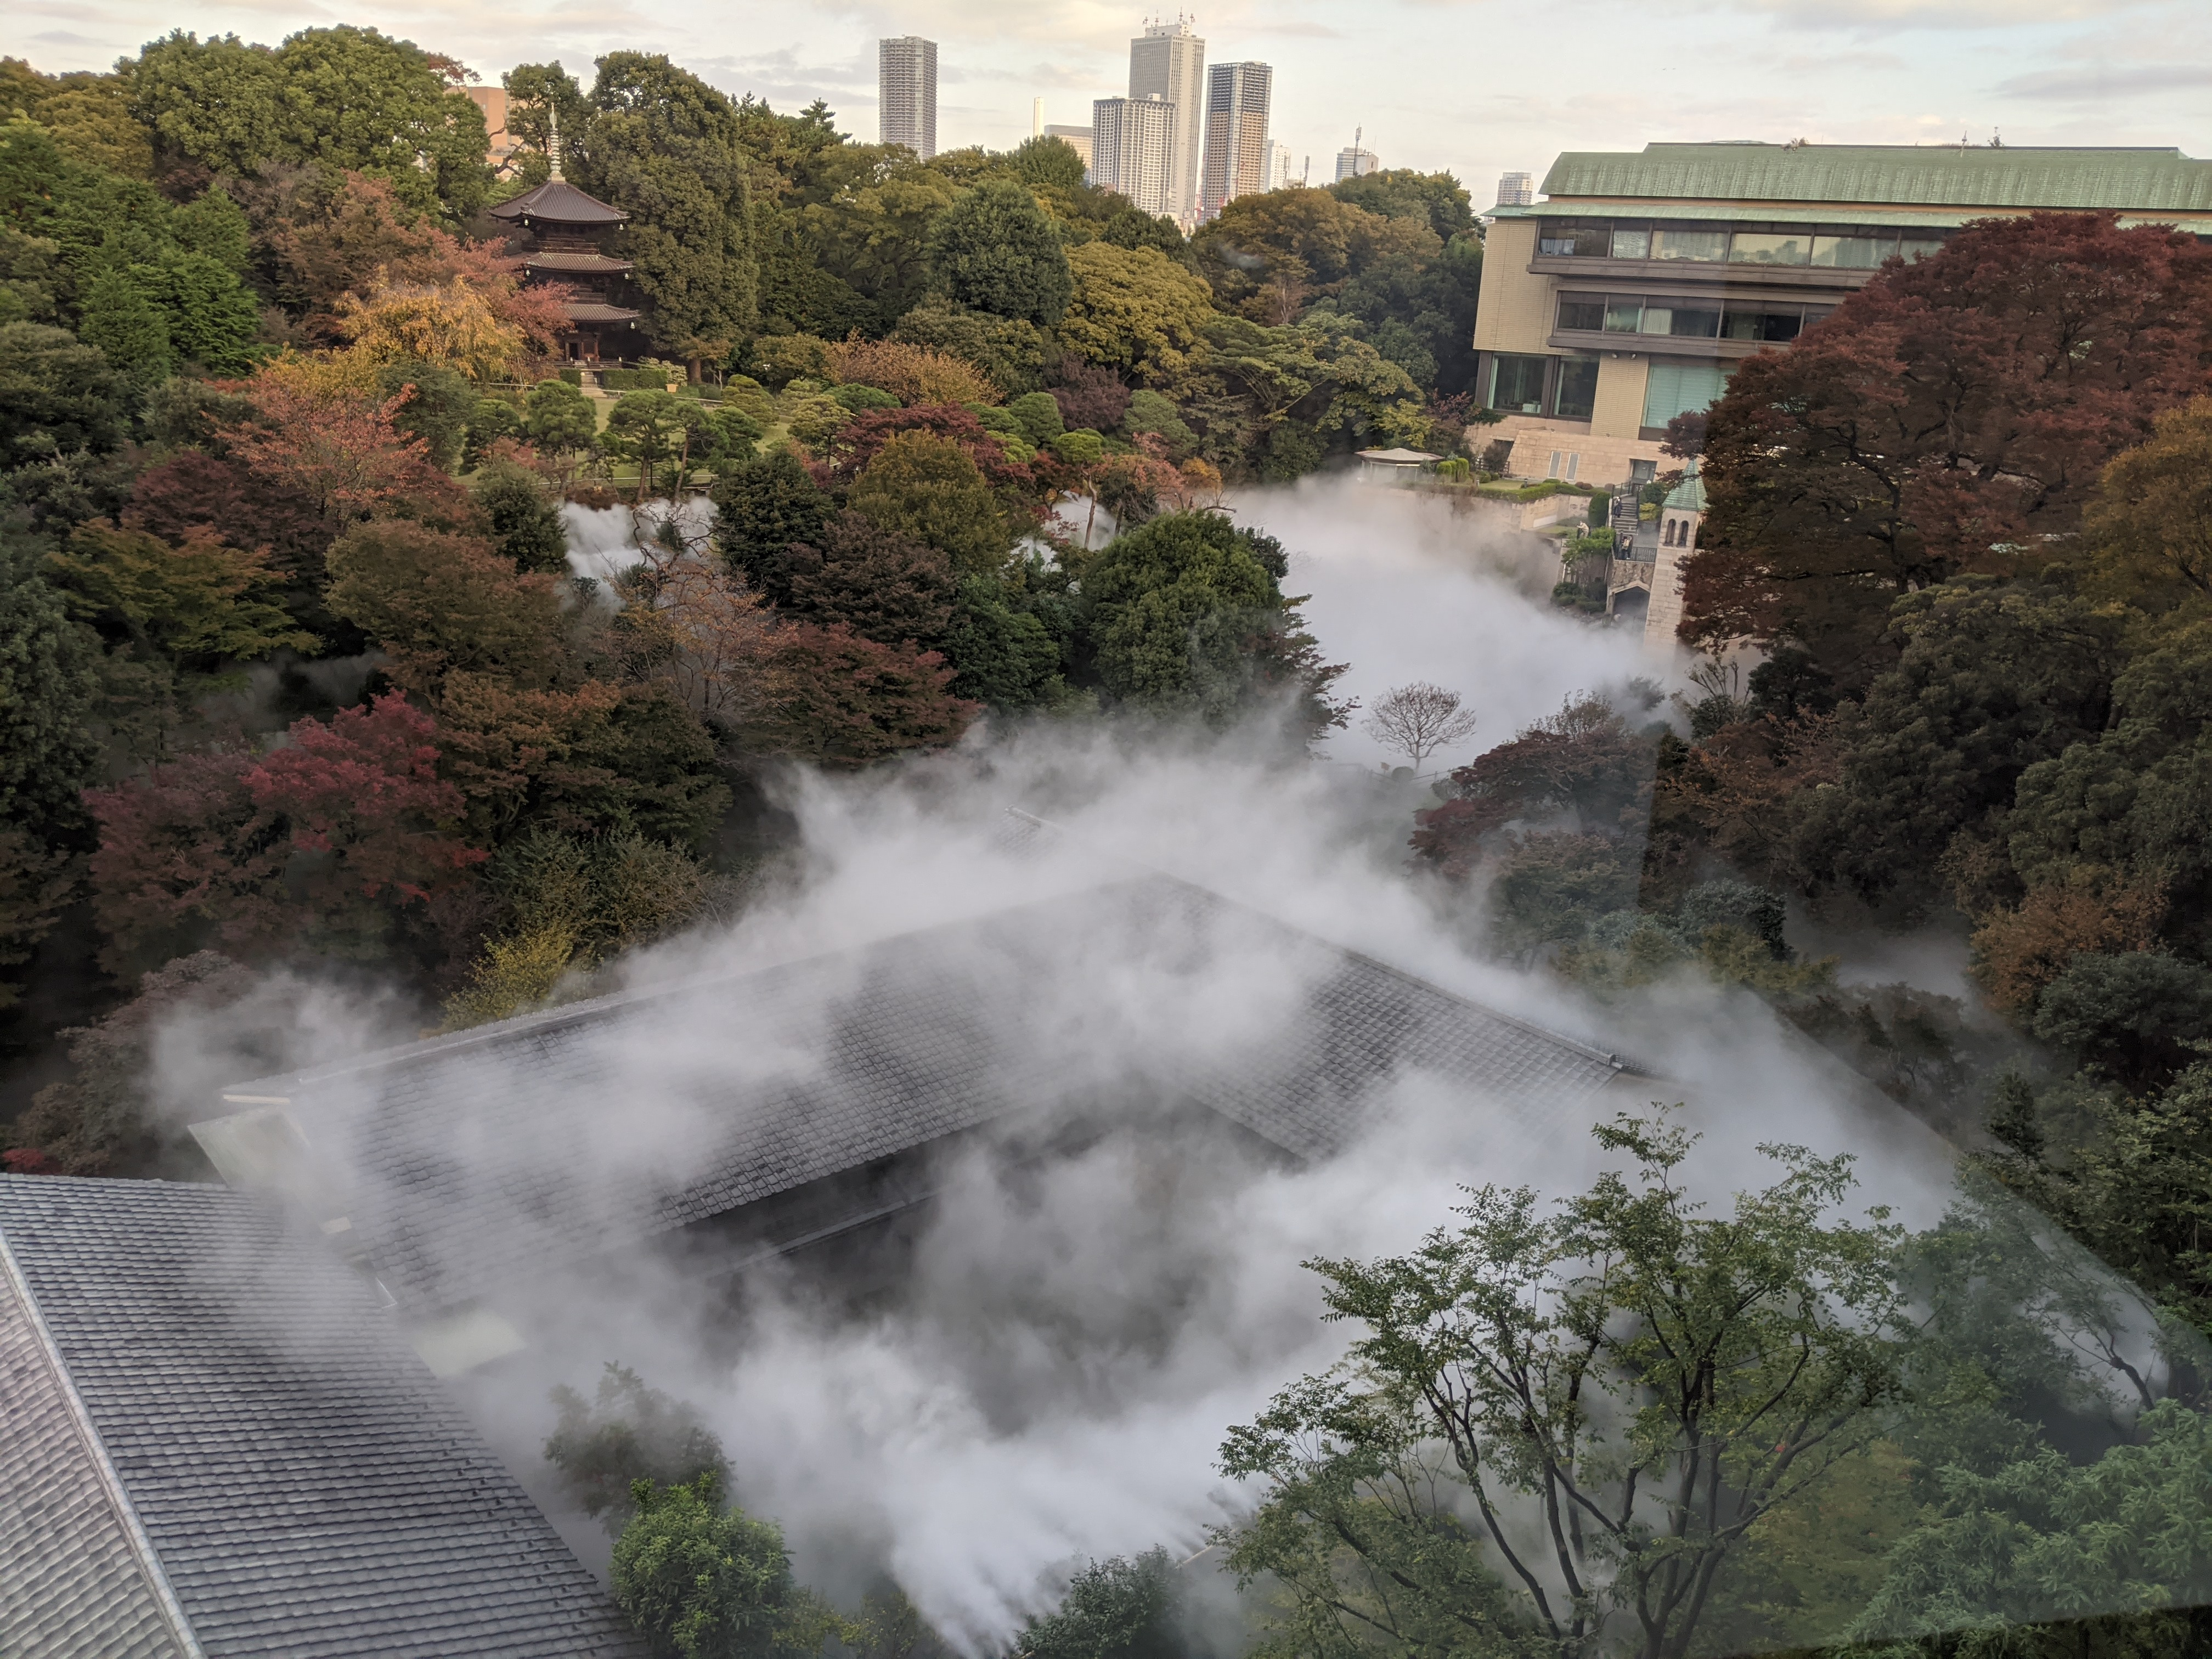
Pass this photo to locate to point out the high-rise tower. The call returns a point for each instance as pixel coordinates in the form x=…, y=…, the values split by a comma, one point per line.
x=906, y=84
x=1236, y=162
x=1168, y=61
x=1133, y=150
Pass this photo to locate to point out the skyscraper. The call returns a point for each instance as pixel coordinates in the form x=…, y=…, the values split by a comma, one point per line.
x=1275, y=164
x=1353, y=162
x=1236, y=160
x=1133, y=150
x=1516, y=190
x=1168, y=61
x=1076, y=138
x=906, y=84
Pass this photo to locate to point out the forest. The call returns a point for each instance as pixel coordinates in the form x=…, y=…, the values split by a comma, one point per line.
x=295, y=667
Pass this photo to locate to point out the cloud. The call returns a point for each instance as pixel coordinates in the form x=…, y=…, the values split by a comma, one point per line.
x=2096, y=82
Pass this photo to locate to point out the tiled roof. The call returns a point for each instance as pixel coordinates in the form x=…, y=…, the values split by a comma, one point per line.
x=597, y=263
x=500, y=1153
x=557, y=202
x=591, y=311
x=303, y=1483
x=1934, y=175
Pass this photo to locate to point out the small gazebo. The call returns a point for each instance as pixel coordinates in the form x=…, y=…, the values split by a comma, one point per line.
x=565, y=230
x=1394, y=465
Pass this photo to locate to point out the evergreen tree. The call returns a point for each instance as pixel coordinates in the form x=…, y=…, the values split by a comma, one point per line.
x=47, y=751
x=763, y=506
x=664, y=146
x=526, y=523
x=993, y=249
x=128, y=328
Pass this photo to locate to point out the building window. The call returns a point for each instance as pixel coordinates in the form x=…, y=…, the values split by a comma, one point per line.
x=1578, y=238
x=1919, y=247
x=1578, y=394
x=1672, y=389
x=1519, y=384
x=1852, y=252
x=1708, y=245
x=1584, y=311
x=1759, y=247
x=1554, y=472
x=1767, y=324
x=1631, y=242
x=1624, y=314
x=1574, y=464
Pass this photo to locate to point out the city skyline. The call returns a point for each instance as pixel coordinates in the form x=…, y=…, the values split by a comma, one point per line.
x=1884, y=71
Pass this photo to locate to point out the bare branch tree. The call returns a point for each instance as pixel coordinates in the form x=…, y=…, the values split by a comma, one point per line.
x=1419, y=720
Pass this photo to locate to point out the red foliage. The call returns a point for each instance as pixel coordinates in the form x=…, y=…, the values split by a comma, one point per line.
x=28, y=1160
x=1089, y=396
x=1581, y=763
x=364, y=236
x=833, y=696
x=194, y=492
x=316, y=843
x=1948, y=417
x=862, y=439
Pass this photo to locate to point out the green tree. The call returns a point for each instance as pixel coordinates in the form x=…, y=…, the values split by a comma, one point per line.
x=994, y=251
x=700, y=1581
x=1037, y=417
x=560, y=418
x=761, y=507
x=1133, y=309
x=877, y=583
x=438, y=402
x=1049, y=164
x=664, y=147
x=526, y=521
x=1010, y=352
x=1116, y=1609
x=627, y=1433
x=201, y=605
x=217, y=102
x=490, y=419
x=929, y=490
x=47, y=751
x=657, y=432
x=116, y=316
x=1004, y=646
x=1646, y=1381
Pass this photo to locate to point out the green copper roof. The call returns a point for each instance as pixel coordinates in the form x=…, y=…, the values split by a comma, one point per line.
x=1689, y=495
x=2141, y=180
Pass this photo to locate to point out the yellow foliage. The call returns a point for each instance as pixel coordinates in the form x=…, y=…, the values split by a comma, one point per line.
x=453, y=324
x=913, y=374
x=2018, y=953
x=515, y=974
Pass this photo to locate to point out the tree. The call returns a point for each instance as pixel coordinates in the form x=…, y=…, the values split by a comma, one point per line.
x=835, y=698
x=1266, y=255
x=761, y=507
x=439, y=603
x=217, y=101
x=1185, y=616
x=655, y=430
x=926, y=490
x=1417, y=720
x=1133, y=310
x=47, y=750
x=1116, y=1609
x=994, y=251
x=1047, y=163
x=1644, y=1381
x=911, y=374
x=200, y=604
x=1006, y=648
x=664, y=147
x=1038, y=416
x=876, y=582
x=327, y=843
x=1951, y=416
x=58, y=395
x=1091, y=399
x=1583, y=762
x=701, y=1582
x=629, y=1432
x=2150, y=518
x=524, y=520
x=1011, y=353
x=116, y=317
x=559, y=418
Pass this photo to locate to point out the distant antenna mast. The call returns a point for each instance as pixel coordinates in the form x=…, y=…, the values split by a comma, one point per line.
x=1036, y=118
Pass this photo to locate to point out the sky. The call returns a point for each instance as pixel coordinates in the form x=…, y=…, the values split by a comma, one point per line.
x=1478, y=87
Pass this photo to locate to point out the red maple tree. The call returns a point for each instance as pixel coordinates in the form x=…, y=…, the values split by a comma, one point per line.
x=1951, y=416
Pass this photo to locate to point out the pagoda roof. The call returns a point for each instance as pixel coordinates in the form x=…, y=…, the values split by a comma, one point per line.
x=557, y=202
x=587, y=265
x=591, y=311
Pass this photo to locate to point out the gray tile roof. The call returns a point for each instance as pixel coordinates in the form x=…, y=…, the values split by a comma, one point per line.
x=300, y=1481
x=469, y=1161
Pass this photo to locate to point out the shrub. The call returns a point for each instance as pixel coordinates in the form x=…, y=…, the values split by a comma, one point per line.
x=1081, y=448
x=1037, y=417
x=913, y=374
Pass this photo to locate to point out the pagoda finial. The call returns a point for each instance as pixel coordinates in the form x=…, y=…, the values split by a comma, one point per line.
x=553, y=149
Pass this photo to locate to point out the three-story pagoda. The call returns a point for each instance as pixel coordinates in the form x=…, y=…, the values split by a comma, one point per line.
x=565, y=232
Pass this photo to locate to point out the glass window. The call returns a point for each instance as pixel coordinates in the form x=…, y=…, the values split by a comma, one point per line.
x=1919, y=247
x=1674, y=389
x=1577, y=390
x=1624, y=314
x=1760, y=247
x=1658, y=319
x=1584, y=239
x=1707, y=245
x=1852, y=252
x=1554, y=471
x=1701, y=320
x=1581, y=310
x=1764, y=323
x=1519, y=383
x=1630, y=242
